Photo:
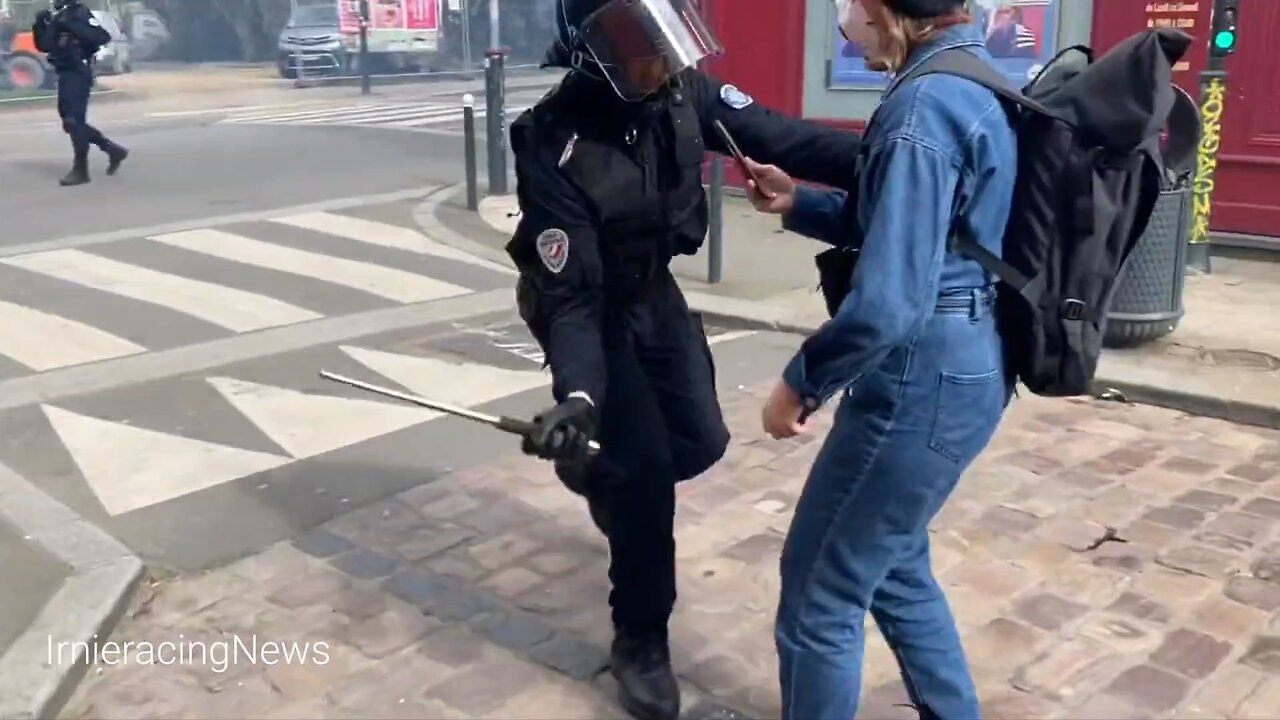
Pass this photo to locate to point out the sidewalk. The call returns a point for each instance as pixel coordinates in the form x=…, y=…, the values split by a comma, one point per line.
x=1223, y=360
x=1103, y=560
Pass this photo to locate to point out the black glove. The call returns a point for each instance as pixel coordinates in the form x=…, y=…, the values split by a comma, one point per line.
x=562, y=432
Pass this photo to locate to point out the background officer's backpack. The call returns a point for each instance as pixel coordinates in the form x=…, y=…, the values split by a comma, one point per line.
x=1089, y=172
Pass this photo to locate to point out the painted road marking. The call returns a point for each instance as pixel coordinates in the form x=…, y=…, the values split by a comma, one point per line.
x=43, y=341
x=306, y=425
x=456, y=383
x=129, y=468
x=236, y=310
x=385, y=235
x=385, y=282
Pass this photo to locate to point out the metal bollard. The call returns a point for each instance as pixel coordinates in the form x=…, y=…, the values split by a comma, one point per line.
x=495, y=118
x=469, y=144
x=715, y=249
x=365, y=80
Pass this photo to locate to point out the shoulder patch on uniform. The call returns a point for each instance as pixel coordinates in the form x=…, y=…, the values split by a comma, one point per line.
x=553, y=249
x=734, y=98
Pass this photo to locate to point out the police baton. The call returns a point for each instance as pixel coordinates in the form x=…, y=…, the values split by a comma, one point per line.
x=515, y=426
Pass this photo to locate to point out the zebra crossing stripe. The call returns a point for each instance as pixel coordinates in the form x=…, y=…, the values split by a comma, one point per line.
x=330, y=113
x=389, y=283
x=385, y=235
x=383, y=116
x=43, y=341
x=236, y=310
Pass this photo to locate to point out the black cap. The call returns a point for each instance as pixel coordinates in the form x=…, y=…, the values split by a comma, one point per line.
x=925, y=8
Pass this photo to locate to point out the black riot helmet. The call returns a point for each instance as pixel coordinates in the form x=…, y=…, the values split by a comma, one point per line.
x=636, y=45
x=60, y=4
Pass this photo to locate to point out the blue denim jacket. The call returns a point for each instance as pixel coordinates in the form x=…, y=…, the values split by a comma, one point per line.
x=941, y=148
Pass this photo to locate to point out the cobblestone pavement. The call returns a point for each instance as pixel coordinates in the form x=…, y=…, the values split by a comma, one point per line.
x=1104, y=561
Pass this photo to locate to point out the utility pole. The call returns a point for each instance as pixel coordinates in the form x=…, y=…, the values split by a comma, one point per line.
x=495, y=115
x=1213, y=99
x=365, y=80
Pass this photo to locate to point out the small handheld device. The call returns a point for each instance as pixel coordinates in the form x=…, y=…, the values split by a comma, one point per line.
x=737, y=154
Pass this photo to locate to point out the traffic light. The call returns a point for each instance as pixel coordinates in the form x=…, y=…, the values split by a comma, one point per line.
x=1223, y=40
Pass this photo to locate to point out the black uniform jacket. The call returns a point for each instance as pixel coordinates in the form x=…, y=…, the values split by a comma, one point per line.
x=574, y=260
x=69, y=37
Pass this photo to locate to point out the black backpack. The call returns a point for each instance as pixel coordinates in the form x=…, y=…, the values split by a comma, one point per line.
x=1089, y=172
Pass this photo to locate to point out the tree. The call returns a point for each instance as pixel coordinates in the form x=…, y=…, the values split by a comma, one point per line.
x=256, y=24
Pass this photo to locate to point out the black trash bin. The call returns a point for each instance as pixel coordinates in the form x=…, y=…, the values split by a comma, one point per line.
x=1148, y=298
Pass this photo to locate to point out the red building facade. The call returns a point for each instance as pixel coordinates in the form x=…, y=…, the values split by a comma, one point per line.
x=786, y=55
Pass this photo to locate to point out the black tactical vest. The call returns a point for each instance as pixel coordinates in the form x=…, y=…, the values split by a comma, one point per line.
x=643, y=181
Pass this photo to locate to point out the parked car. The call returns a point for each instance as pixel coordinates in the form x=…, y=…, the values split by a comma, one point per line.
x=312, y=39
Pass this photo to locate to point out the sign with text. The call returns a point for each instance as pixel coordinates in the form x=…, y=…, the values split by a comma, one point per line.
x=394, y=25
x=1115, y=20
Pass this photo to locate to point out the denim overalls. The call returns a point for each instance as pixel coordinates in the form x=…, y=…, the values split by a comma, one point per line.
x=915, y=352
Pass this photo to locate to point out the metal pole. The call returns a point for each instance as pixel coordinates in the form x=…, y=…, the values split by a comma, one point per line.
x=715, y=253
x=715, y=210
x=365, y=80
x=1213, y=97
x=494, y=35
x=495, y=115
x=469, y=144
x=466, y=34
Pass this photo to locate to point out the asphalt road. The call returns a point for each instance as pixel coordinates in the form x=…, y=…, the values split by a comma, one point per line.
x=244, y=157
x=163, y=382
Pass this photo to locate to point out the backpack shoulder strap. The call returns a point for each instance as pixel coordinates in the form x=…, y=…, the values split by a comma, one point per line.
x=962, y=63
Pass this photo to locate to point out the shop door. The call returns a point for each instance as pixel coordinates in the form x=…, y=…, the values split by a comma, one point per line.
x=1245, y=199
x=1249, y=126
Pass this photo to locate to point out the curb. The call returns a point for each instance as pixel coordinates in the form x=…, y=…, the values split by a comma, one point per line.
x=739, y=313
x=93, y=598
x=1204, y=404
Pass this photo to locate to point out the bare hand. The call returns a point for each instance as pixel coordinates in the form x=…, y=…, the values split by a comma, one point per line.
x=781, y=414
x=776, y=191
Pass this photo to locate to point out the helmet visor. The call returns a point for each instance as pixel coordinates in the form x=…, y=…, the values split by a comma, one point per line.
x=640, y=44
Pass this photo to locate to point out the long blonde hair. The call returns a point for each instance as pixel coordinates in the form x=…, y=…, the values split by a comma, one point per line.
x=902, y=34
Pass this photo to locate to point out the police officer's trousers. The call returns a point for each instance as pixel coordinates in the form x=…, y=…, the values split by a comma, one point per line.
x=903, y=435
x=74, y=87
x=660, y=424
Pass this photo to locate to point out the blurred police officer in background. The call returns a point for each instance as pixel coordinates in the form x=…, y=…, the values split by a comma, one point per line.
x=70, y=36
x=609, y=180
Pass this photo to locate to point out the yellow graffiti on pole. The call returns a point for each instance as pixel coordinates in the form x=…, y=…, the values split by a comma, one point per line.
x=1207, y=159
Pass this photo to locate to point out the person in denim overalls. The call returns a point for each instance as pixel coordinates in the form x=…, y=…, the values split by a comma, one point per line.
x=916, y=353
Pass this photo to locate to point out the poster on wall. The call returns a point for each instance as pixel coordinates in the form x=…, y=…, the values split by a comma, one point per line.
x=1021, y=36
x=394, y=25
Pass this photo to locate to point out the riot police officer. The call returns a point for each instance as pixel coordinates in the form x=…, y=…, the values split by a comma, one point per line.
x=608, y=169
x=70, y=37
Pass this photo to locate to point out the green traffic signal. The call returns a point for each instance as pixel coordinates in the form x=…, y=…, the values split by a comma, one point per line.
x=1224, y=39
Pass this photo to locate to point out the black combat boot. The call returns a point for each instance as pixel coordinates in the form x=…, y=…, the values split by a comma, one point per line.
x=647, y=685
x=115, y=156
x=79, y=174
